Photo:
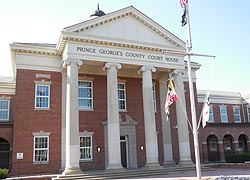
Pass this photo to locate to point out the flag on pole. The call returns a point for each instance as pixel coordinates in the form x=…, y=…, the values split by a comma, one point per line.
x=183, y=3
x=205, y=112
x=171, y=97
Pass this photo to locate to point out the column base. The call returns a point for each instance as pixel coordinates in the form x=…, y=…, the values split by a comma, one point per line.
x=72, y=170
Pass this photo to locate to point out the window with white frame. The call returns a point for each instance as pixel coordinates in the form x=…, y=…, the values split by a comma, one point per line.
x=211, y=114
x=42, y=96
x=85, y=95
x=121, y=96
x=86, y=147
x=248, y=113
x=236, y=114
x=41, y=148
x=4, y=110
x=154, y=98
x=223, y=114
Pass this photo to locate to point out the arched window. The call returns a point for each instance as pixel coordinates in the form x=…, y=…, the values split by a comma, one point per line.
x=243, y=143
x=228, y=143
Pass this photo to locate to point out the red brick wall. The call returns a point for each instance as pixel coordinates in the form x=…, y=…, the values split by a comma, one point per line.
x=92, y=121
x=28, y=120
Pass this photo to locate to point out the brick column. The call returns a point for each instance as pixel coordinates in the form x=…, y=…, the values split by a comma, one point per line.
x=114, y=150
x=183, y=134
x=149, y=118
x=72, y=118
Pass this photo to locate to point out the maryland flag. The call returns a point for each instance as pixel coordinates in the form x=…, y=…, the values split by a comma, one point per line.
x=171, y=97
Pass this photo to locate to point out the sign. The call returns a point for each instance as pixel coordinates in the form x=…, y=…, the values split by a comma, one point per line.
x=125, y=54
x=19, y=155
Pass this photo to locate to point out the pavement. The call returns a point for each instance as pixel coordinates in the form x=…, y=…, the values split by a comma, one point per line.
x=205, y=175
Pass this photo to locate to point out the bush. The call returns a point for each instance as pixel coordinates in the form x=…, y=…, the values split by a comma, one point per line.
x=4, y=173
x=237, y=158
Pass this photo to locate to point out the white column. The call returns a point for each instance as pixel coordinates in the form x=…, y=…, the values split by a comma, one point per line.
x=114, y=150
x=149, y=118
x=182, y=124
x=72, y=118
x=166, y=129
x=63, y=135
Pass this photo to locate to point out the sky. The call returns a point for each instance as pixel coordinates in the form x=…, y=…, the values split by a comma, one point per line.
x=220, y=28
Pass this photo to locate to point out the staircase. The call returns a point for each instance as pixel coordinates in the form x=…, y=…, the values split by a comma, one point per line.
x=127, y=173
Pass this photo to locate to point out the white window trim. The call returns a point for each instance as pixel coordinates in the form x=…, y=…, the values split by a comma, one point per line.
x=86, y=134
x=125, y=97
x=34, y=149
x=237, y=107
x=211, y=113
x=8, y=117
x=248, y=112
x=43, y=84
x=92, y=96
x=223, y=106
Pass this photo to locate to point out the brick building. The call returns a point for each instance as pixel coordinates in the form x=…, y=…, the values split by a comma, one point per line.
x=95, y=100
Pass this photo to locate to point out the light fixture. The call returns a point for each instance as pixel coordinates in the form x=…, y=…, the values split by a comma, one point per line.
x=98, y=149
x=141, y=147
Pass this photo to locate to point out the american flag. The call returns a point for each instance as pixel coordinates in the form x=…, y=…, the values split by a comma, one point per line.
x=183, y=2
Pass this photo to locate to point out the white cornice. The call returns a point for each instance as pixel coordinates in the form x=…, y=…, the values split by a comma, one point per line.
x=7, y=87
x=220, y=97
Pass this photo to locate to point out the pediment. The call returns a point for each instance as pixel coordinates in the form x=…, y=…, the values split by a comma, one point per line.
x=128, y=25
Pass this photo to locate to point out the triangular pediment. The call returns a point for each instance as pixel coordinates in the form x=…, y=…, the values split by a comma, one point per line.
x=127, y=25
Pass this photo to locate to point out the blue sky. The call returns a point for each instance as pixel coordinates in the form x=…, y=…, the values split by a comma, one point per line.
x=219, y=28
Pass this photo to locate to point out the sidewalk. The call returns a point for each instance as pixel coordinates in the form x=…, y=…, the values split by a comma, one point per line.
x=191, y=175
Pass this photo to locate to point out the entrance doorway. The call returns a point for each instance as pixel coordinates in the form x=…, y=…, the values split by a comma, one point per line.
x=124, y=159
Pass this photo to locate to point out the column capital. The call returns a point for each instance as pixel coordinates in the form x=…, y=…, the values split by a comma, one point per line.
x=67, y=62
x=177, y=71
x=147, y=68
x=108, y=65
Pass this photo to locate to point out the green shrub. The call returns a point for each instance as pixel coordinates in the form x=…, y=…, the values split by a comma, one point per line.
x=4, y=173
x=237, y=158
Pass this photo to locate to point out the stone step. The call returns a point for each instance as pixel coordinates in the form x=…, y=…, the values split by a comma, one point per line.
x=126, y=173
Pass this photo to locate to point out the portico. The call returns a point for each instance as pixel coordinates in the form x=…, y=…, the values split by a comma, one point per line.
x=124, y=47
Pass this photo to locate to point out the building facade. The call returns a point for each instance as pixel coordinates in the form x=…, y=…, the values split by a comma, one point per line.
x=96, y=100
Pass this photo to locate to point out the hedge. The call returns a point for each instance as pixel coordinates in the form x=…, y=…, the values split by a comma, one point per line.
x=237, y=158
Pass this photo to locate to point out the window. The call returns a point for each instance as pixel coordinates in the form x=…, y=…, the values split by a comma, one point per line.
x=41, y=148
x=211, y=114
x=86, y=148
x=248, y=113
x=42, y=96
x=227, y=141
x=85, y=95
x=121, y=96
x=4, y=110
x=212, y=144
x=223, y=114
x=236, y=114
x=154, y=98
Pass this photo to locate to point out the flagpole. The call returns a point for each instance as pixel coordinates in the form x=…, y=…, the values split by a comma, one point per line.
x=191, y=91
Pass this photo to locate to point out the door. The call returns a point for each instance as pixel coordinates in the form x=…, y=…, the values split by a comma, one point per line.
x=123, y=142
